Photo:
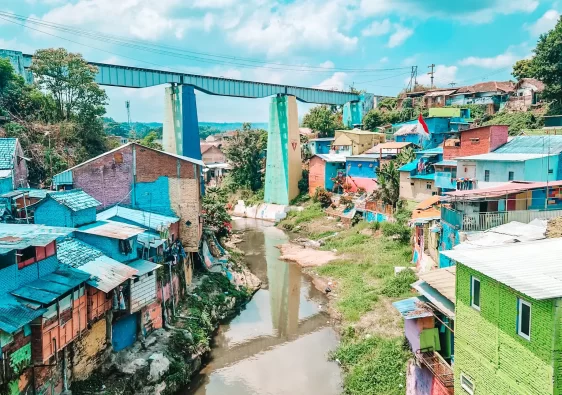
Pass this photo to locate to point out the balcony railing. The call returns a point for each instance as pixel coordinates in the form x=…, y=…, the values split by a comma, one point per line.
x=438, y=366
x=484, y=221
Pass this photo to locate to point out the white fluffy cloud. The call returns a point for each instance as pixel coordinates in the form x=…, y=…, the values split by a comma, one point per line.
x=544, y=23
x=400, y=35
x=298, y=26
x=477, y=11
x=377, y=28
x=443, y=76
x=505, y=59
x=338, y=81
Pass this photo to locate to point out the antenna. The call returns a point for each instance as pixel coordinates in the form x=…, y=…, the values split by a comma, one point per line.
x=432, y=72
x=413, y=79
x=132, y=132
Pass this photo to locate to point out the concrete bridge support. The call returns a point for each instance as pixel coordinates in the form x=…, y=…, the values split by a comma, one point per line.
x=352, y=113
x=284, y=164
x=180, y=133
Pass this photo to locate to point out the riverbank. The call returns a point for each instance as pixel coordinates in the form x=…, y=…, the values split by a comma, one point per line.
x=362, y=283
x=167, y=359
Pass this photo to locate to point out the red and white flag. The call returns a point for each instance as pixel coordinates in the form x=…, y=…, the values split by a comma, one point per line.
x=422, y=127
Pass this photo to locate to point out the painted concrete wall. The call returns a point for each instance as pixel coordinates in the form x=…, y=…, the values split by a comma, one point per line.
x=316, y=178
x=487, y=346
x=214, y=155
x=11, y=277
x=529, y=170
x=87, y=351
x=331, y=171
x=542, y=169
x=449, y=238
x=320, y=147
x=52, y=213
x=415, y=189
x=283, y=167
x=109, y=246
x=369, y=184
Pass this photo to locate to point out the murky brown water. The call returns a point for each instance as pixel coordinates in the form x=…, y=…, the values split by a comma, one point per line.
x=279, y=344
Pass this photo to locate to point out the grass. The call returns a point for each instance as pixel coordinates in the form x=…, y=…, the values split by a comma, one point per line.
x=295, y=218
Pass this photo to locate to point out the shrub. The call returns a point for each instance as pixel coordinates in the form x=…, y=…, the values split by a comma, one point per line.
x=346, y=201
x=361, y=191
x=401, y=232
x=303, y=182
x=323, y=197
x=400, y=284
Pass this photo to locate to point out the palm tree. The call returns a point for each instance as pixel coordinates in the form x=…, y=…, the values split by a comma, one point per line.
x=407, y=155
x=389, y=185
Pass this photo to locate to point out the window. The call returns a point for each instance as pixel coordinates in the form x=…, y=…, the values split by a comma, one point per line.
x=550, y=171
x=26, y=257
x=428, y=186
x=486, y=175
x=467, y=384
x=510, y=176
x=475, y=293
x=524, y=319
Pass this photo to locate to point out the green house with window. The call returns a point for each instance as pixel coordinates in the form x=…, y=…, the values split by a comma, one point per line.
x=508, y=329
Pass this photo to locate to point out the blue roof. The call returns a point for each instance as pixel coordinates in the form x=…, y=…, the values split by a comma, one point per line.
x=75, y=253
x=143, y=266
x=75, y=199
x=409, y=166
x=413, y=308
x=7, y=152
x=437, y=150
x=14, y=314
x=49, y=288
x=424, y=176
x=17, y=237
x=532, y=145
x=446, y=163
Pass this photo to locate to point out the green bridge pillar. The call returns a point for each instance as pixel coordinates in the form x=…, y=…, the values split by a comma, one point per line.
x=284, y=166
x=352, y=114
x=180, y=134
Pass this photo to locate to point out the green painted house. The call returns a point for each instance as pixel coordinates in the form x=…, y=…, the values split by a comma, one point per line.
x=509, y=319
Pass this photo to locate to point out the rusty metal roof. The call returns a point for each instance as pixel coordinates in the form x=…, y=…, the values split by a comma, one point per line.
x=15, y=314
x=443, y=280
x=17, y=237
x=145, y=219
x=111, y=229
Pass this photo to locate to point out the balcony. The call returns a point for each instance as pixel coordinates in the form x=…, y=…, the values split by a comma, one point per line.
x=441, y=370
x=484, y=221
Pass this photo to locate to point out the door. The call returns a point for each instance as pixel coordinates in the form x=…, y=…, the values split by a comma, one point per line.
x=124, y=331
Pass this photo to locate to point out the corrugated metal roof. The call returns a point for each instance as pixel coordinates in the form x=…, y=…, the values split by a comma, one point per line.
x=413, y=307
x=532, y=145
x=446, y=163
x=411, y=128
x=323, y=139
x=52, y=286
x=143, y=218
x=531, y=268
x=64, y=178
x=363, y=157
x=501, y=190
x=443, y=280
x=148, y=239
x=14, y=314
x=437, y=150
x=499, y=157
x=7, y=152
x=435, y=298
x=440, y=93
x=389, y=145
x=7, y=173
x=35, y=193
x=112, y=229
x=14, y=236
x=75, y=199
x=512, y=232
x=409, y=166
x=424, y=176
x=331, y=157
x=143, y=266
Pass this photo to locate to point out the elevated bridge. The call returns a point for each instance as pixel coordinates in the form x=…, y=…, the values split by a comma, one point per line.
x=181, y=129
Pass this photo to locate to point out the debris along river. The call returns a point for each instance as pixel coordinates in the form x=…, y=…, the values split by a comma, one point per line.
x=279, y=344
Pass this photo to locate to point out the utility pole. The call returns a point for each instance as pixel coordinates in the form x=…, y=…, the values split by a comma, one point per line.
x=131, y=131
x=413, y=79
x=452, y=84
x=432, y=72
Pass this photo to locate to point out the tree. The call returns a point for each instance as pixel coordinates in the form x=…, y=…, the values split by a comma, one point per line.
x=407, y=155
x=372, y=120
x=389, y=185
x=150, y=141
x=245, y=152
x=322, y=120
x=214, y=212
x=545, y=65
x=516, y=121
x=523, y=69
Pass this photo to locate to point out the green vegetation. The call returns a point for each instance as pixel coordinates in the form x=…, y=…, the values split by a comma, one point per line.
x=323, y=120
x=517, y=121
x=310, y=213
x=214, y=213
x=389, y=184
x=150, y=141
x=373, y=365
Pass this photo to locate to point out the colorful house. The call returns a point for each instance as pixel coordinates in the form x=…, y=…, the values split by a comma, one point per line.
x=417, y=178
x=388, y=151
x=487, y=169
x=71, y=209
x=440, y=128
x=429, y=327
x=481, y=209
x=321, y=145
x=356, y=141
x=13, y=166
x=475, y=141
x=361, y=172
x=493, y=94
x=507, y=327
x=425, y=220
x=144, y=179
x=323, y=169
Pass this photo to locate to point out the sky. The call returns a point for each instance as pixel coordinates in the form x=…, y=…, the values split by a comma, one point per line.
x=329, y=44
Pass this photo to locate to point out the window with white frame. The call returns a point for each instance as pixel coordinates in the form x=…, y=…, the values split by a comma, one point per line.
x=524, y=319
x=475, y=292
x=467, y=384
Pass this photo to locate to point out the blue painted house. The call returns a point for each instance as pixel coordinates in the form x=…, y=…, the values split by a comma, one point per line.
x=440, y=129
x=70, y=209
x=361, y=171
x=321, y=145
x=13, y=166
x=323, y=169
x=417, y=178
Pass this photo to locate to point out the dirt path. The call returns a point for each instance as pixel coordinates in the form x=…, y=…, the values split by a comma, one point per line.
x=305, y=257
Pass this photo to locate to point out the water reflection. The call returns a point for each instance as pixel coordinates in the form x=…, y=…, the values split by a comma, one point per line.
x=278, y=345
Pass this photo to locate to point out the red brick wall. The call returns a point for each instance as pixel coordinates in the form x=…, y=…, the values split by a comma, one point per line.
x=108, y=178
x=490, y=138
x=498, y=136
x=153, y=164
x=316, y=176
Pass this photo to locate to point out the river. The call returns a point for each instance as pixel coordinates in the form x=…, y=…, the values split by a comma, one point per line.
x=279, y=343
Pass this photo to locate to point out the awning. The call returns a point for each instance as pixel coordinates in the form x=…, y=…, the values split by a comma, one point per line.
x=436, y=299
x=412, y=308
x=143, y=266
x=107, y=274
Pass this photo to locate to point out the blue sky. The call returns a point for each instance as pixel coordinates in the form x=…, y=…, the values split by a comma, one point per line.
x=468, y=41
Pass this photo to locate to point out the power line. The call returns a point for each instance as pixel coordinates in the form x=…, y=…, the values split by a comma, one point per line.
x=182, y=53
x=431, y=73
